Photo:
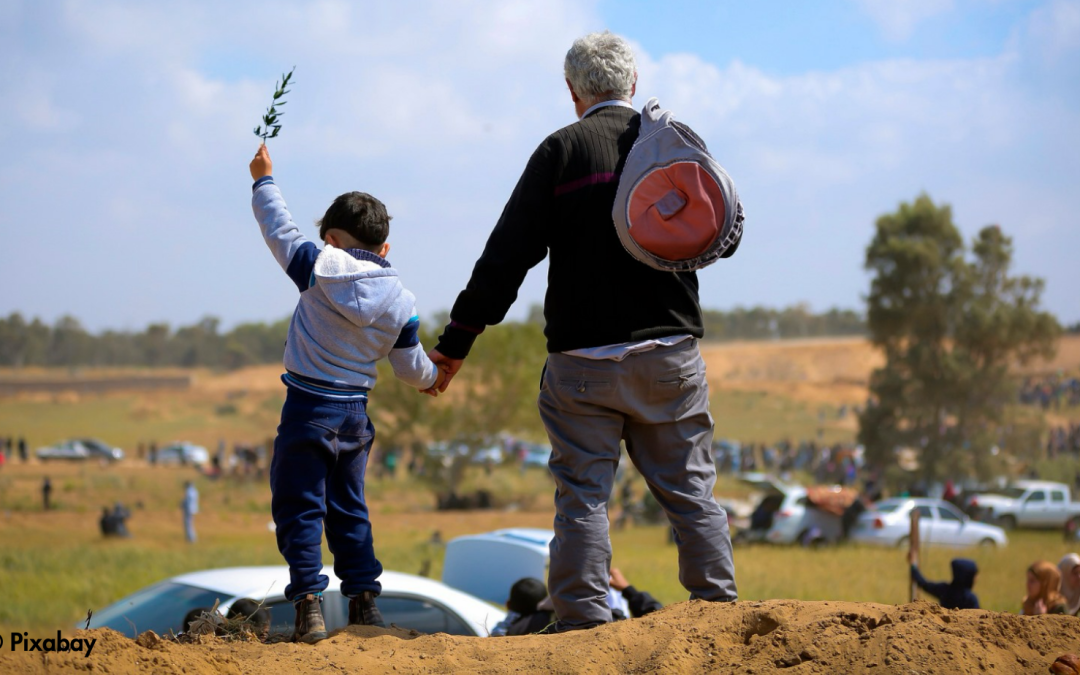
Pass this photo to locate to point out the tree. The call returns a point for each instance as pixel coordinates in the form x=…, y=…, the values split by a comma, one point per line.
x=494, y=393
x=949, y=328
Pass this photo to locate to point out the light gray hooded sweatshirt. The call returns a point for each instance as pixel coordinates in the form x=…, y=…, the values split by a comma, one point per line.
x=352, y=311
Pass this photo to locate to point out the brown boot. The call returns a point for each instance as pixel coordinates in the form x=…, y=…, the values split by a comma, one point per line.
x=364, y=612
x=310, y=627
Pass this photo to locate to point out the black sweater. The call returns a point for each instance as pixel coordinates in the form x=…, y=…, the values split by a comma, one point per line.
x=597, y=294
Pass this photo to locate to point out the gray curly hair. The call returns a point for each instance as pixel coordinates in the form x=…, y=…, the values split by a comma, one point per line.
x=600, y=67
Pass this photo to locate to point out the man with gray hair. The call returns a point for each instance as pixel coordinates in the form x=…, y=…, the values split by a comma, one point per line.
x=623, y=362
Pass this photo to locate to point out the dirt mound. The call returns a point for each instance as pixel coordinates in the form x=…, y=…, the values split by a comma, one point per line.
x=690, y=637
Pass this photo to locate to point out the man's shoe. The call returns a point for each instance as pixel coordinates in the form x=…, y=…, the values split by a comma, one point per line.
x=310, y=627
x=364, y=612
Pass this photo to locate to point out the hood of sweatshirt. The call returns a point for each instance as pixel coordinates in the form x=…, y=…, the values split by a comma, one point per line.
x=360, y=285
x=963, y=573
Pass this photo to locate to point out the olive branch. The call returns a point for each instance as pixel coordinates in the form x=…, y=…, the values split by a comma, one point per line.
x=269, y=120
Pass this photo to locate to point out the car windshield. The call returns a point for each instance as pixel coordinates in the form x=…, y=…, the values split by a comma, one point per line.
x=887, y=507
x=160, y=608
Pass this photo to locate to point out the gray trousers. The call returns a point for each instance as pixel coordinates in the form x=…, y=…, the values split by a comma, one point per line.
x=658, y=402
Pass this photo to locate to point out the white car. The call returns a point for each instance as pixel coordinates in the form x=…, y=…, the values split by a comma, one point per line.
x=786, y=515
x=408, y=601
x=1028, y=503
x=182, y=452
x=940, y=524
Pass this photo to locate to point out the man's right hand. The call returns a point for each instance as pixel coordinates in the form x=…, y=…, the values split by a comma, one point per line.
x=448, y=365
x=261, y=165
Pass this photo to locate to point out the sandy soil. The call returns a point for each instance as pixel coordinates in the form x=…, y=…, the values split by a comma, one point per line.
x=690, y=637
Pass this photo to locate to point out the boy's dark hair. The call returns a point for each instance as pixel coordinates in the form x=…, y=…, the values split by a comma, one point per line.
x=359, y=214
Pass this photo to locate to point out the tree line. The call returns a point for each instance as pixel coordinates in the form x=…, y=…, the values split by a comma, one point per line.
x=67, y=343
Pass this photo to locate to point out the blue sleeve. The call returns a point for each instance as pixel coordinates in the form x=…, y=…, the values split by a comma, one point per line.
x=410, y=334
x=935, y=589
x=302, y=265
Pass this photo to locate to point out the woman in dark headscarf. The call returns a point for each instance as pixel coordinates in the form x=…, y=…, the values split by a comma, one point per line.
x=1043, y=590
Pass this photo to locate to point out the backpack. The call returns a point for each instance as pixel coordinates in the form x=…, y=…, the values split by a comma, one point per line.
x=676, y=209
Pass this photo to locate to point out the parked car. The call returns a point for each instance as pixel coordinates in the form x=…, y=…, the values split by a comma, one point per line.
x=182, y=452
x=793, y=514
x=489, y=455
x=409, y=601
x=537, y=456
x=888, y=523
x=1027, y=503
x=80, y=449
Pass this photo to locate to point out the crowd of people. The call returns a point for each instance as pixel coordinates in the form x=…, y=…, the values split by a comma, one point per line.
x=1050, y=588
x=1050, y=392
x=1063, y=439
x=838, y=463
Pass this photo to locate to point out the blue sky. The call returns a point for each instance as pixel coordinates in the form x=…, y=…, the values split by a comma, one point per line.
x=126, y=132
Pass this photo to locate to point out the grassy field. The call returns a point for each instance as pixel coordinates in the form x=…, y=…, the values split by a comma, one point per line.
x=54, y=566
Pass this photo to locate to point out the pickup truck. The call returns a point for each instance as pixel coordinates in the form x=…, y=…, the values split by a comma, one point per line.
x=1028, y=503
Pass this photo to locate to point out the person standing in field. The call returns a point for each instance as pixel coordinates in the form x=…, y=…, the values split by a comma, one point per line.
x=622, y=337
x=189, y=506
x=46, y=493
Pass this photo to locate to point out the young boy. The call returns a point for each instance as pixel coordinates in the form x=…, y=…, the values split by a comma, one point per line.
x=352, y=312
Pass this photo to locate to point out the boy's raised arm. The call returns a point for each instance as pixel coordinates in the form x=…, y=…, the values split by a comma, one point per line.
x=291, y=249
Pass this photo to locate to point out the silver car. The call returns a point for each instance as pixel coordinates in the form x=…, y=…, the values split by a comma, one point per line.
x=888, y=523
x=80, y=449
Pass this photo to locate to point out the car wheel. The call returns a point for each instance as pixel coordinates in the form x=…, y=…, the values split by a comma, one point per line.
x=1007, y=523
x=987, y=543
x=903, y=542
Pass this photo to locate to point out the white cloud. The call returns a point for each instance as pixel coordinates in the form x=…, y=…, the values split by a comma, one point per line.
x=1054, y=30
x=897, y=19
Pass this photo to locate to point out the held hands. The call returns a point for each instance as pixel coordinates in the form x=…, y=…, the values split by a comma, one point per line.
x=447, y=368
x=440, y=378
x=261, y=165
x=447, y=364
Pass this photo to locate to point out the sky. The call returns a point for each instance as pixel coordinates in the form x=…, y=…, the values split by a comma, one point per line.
x=126, y=131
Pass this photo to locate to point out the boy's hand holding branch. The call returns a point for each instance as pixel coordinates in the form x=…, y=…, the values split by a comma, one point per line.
x=261, y=166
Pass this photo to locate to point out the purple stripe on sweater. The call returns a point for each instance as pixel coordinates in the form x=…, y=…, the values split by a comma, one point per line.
x=594, y=179
x=468, y=329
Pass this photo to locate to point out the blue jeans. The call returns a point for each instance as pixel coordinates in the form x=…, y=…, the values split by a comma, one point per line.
x=316, y=477
x=189, y=527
